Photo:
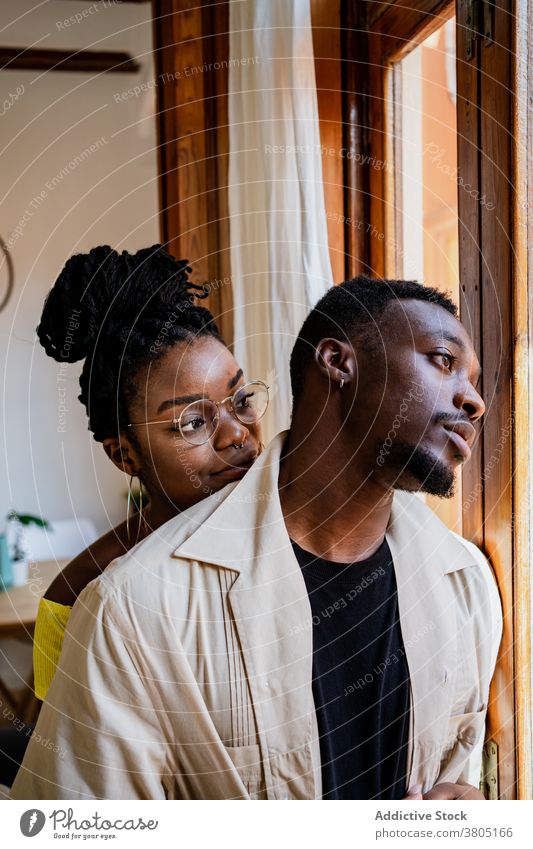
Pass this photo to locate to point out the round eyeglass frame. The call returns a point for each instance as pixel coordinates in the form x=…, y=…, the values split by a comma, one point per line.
x=177, y=421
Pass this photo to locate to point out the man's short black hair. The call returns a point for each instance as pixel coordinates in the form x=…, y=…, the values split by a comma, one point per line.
x=349, y=310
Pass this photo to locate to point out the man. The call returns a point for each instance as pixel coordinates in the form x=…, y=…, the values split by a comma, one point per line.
x=314, y=630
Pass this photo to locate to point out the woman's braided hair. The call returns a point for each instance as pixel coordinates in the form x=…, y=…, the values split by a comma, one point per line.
x=119, y=311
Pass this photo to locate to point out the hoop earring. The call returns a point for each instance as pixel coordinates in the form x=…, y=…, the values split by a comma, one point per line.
x=140, y=510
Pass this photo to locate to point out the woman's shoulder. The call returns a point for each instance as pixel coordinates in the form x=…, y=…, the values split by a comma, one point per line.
x=88, y=565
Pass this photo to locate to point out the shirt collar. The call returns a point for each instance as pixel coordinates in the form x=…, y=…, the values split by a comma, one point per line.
x=249, y=523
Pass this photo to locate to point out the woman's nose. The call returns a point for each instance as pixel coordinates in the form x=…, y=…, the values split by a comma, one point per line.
x=230, y=430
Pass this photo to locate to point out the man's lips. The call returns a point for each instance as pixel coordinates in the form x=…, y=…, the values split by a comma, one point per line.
x=462, y=435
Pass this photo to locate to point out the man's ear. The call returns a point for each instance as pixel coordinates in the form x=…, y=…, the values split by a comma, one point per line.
x=121, y=452
x=336, y=360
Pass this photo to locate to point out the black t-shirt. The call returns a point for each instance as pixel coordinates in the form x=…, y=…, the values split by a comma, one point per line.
x=360, y=675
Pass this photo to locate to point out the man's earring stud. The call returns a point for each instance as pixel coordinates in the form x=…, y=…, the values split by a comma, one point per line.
x=341, y=383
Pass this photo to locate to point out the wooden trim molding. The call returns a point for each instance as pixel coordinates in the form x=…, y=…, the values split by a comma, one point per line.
x=522, y=86
x=325, y=22
x=138, y=2
x=191, y=40
x=85, y=61
x=355, y=98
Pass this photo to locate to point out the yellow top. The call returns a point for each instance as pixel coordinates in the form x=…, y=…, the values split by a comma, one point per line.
x=50, y=628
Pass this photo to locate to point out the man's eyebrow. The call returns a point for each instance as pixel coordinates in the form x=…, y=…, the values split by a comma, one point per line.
x=175, y=402
x=234, y=380
x=455, y=339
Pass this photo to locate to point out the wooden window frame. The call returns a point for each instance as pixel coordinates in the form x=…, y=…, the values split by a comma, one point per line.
x=494, y=93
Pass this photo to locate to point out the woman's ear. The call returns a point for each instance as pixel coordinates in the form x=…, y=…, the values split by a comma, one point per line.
x=336, y=361
x=121, y=452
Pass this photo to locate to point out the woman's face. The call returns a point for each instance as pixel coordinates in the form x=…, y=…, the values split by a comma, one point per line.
x=174, y=471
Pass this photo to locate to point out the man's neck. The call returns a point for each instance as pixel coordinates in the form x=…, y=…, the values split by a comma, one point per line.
x=332, y=507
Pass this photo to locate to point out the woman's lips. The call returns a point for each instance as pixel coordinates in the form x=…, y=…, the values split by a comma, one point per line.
x=460, y=443
x=234, y=471
x=231, y=473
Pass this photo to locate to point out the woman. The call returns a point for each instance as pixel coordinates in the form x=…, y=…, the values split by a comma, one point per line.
x=155, y=373
x=163, y=394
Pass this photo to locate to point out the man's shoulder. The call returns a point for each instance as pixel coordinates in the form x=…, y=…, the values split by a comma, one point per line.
x=481, y=581
x=412, y=510
x=466, y=567
x=425, y=525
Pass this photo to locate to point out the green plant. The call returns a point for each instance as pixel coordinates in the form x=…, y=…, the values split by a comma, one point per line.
x=29, y=519
x=17, y=521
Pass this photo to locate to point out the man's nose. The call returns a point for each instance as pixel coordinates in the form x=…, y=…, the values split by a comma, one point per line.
x=469, y=400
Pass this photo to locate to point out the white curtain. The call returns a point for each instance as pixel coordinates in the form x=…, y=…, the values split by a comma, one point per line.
x=279, y=251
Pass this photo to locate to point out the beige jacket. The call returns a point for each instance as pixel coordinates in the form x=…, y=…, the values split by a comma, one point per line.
x=186, y=668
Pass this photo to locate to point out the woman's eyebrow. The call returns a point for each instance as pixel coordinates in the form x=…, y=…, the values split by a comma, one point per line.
x=188, y=399
x=175, y=402
x=235, y=380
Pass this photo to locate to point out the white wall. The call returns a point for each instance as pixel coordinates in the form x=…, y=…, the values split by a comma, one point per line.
x=109, y=197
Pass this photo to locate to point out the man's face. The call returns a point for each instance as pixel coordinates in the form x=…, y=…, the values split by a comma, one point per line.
x=416, y=401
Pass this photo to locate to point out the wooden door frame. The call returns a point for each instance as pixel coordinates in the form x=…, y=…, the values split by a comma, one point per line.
x=493, y=273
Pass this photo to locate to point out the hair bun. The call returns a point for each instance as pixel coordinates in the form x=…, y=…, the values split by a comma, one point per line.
x=76, y=306
x=103, y=293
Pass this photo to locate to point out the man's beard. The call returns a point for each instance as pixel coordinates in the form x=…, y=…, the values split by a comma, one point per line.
x=407, y=462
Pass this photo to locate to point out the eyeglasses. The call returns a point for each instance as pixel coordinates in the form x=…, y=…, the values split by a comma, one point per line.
x=198, y=422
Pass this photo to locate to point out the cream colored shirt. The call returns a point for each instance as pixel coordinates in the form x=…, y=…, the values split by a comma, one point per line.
x=186, y=671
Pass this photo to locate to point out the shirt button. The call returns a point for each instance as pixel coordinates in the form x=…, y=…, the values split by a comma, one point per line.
x=266, y=685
